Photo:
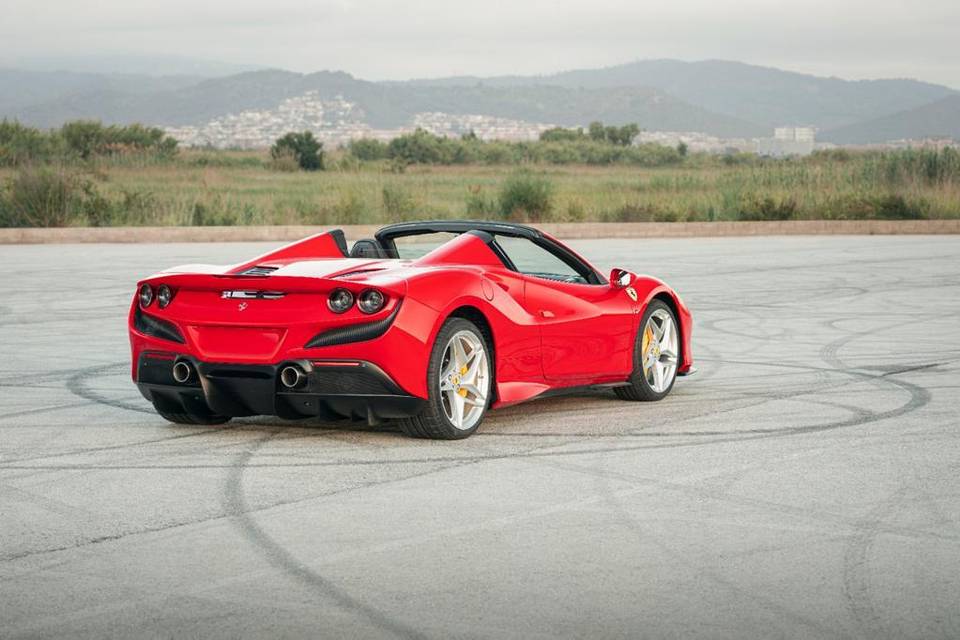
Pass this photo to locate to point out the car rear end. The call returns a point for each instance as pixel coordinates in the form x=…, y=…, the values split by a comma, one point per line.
x=285, y=345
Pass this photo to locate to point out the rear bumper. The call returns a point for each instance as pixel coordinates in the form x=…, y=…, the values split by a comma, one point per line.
x=332, y=389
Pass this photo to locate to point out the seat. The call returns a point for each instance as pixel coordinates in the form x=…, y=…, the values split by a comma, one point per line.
x=367, y=249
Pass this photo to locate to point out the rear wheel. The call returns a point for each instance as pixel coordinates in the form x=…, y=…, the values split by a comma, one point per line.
x=656, y=355
x=459, y=380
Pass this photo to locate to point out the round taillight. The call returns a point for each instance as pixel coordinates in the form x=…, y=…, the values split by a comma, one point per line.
x=146, y=295
x=164, y=295
x=340, y=300
x=371, y=301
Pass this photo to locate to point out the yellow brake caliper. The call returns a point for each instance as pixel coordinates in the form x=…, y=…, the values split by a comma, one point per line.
x=463, y=371
x=645, y=345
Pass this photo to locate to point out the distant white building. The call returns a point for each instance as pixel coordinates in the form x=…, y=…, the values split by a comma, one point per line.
x=788, y=141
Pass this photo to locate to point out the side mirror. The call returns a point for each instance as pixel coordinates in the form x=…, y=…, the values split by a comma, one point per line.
x=620, y=278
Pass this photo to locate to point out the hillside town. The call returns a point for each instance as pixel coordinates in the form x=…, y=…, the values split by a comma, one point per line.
x=336, y=121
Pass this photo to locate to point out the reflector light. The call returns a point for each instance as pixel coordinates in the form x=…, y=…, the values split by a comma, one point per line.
x=334, y=363
x=160, y=355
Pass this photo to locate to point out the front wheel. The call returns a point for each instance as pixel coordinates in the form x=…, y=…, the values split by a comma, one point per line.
x=656, y=355
x=459, y=381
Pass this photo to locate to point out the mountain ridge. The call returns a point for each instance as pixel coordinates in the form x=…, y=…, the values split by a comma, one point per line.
x=717, y=97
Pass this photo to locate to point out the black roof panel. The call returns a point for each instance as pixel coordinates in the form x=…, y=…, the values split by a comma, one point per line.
x=455, y=226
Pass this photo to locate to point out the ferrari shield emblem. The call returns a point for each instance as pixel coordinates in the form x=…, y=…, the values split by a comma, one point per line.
x=632, y=293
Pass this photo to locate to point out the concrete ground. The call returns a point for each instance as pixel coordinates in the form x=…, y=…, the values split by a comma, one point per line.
x=803, y=484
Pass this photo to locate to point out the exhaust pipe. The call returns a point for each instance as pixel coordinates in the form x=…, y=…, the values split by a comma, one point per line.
x=182, y=371
x=292, y=377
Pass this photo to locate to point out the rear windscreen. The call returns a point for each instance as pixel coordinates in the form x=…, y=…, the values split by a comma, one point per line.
x=413, y=247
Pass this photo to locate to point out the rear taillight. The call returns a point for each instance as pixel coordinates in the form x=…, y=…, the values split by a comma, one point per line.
x=371, y=301
x=146, y=295
x=164, y=296
x=340, y=300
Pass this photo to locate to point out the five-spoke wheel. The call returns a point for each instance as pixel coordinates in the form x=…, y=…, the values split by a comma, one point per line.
x=464, y=379
x=459, y=378
x=656, y=355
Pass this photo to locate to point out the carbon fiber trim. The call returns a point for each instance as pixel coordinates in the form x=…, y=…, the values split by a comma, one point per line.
x=148, y=325
x=354, y=332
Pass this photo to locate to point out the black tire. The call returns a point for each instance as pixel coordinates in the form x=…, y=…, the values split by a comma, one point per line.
x=639, y=390
x=185, y=418
x=432, y=422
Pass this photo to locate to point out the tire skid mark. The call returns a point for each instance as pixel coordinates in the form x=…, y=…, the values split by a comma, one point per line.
x=855, y=571
x=39, y=410
x=280, y=433
x=816, y=515
x=77, y=385
x=236, y=502
x=918, y=398
x=856, y=579
x=634, y=527
x=118, y=447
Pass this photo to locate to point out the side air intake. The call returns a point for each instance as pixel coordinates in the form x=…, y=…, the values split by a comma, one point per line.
x=354, y=332
x=148, y=325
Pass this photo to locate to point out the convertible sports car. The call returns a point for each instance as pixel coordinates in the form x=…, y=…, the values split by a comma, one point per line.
x=429, y=323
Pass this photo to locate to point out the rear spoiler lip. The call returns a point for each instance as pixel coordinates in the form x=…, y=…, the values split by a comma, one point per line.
x=284, y=284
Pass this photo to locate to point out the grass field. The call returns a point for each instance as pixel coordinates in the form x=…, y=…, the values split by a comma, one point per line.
x=227, y=188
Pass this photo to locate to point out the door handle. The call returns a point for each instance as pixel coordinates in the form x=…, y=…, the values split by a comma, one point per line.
x=547, y=313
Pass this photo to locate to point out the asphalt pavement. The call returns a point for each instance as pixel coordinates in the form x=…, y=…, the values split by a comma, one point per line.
x=805, y=483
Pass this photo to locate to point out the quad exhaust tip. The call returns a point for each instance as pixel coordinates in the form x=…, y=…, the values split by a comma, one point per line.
x=292, y=377
x=182, y=371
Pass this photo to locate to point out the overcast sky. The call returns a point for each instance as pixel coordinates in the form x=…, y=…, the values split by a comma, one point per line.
x=377, y=39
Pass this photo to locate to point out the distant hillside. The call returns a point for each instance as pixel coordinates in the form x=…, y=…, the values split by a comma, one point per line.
x=763, y=95
x=937, y=120
x=726, y=99
x=385, y=104
x=21, y=89
x=127, y=64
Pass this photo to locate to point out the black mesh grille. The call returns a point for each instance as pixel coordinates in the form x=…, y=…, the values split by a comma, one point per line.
x=354, y=332
x=342, y=382
x=156, y=327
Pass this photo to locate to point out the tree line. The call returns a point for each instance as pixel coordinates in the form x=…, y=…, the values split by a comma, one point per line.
x=81, y=139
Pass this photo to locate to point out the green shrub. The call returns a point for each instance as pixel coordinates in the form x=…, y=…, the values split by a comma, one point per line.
x=44, y=198
x=89, y=138
x=350, y=208
x=896, y=207
x=479, y=205
x=307, y=150
x=398, y=203
x=524, y=196
x=768, y=209
x=641, y=212
x=21, y=145
x=576, y=211
x=367, y=149
x=284, y=160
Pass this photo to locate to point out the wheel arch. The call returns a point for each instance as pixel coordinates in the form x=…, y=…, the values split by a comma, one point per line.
x=667, y=298
x=653, y=289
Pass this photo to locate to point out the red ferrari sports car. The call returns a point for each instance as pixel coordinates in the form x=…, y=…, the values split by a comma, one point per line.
x=429, y=323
